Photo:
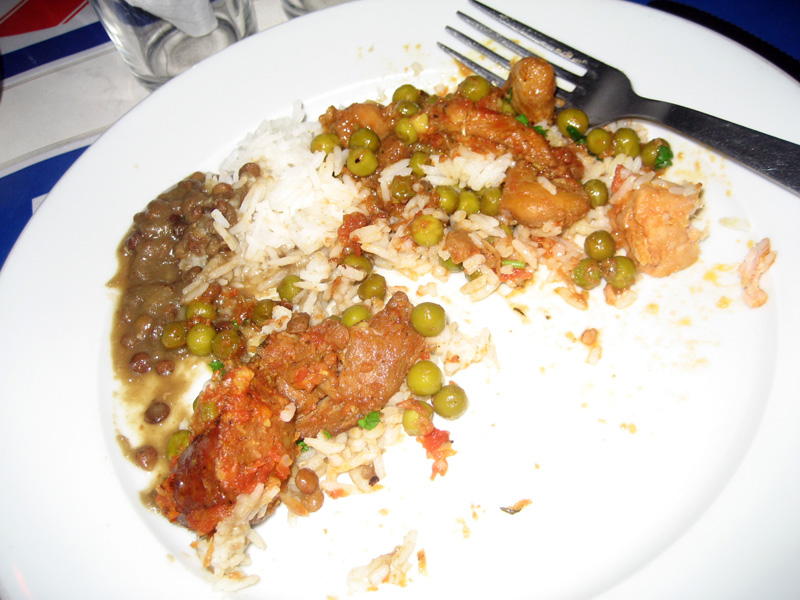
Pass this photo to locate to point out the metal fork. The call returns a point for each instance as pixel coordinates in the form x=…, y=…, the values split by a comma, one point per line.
x=605, y=94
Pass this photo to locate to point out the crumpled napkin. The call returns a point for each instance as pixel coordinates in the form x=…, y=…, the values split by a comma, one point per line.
x=193, y=17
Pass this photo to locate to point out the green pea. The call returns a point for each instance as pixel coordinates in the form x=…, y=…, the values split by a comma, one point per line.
x=405, y=131
x=288, y=288
x=651, y=151
x=324, y=142
x=362, y=162
x=626, y=141
x=201, y=309
x=407, y=108
x=365, y=138
x=451, y=265
x=490, y=201
x=599, y=141
x=225, y=344
x=572, y=123
x=417, y=161
x=358, y=261
x=587, y=274
x=413, y=417
x=447, y=198
x=599, y=245
x=374, y=286
x=450, y=402
x=420, y=122
x=474, y=275
x=469, y=202
x=402, y=188
x=177, y=443
x=474, y=87
x=619, y=271
x=262, y=312
x=355, y=314
x=506, y=108
x=406, y=92
x=424, y=378
x=207, y=411
x=428, y=319
x=174, y=335
x=597, y=191
x=426, y=230
x=199, y=339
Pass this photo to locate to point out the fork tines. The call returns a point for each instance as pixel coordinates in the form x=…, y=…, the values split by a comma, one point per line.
x=567, y=53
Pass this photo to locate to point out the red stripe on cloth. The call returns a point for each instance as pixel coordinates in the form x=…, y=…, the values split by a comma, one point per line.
x=35, y=15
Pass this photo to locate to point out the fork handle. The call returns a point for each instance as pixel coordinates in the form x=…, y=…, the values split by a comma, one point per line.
x=772, y=157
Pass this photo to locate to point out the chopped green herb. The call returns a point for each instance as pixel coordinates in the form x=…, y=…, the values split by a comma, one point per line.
x=509, y=509
x=663, y=158
x=540, y=130
x=371, y=420
x=328, y=435
x=517, y=264
x=302, y=445
x=576, y=135
x=523, y=119
x=216, y=364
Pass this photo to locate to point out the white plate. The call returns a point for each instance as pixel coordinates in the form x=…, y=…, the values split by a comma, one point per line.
x=699, y=502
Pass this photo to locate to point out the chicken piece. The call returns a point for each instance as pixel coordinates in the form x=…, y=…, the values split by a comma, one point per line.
x=303, y=380
x=532, y=204
x=654, y=226
x=532, y=83
x=484, y=130
x=343, y=122
x=757, y=262
x=303, y=366
x=374, y=366
x=460, y=246
x=238, y=441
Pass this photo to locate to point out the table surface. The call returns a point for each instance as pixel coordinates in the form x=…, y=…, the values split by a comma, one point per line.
x=60, y=91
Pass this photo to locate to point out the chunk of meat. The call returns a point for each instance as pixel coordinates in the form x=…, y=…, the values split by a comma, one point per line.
x=757, y=262
x=334, y=375
x=374, y=366
x=229, y=454
x=460, y=246
x=343, y=122
x=532, y=83
x=302, y=366
x=653, y=224
x=532, y=204
x=467, y=123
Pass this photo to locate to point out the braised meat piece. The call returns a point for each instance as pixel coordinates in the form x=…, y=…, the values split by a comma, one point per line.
x=484, y=129
x=238, y=440
x=303, y=366
x=335, y=375
x=374, y=366
x=653, y=224
x=533, y=204
x=345, y=121
x=460, y=246
x=757, y=262
x=532, y=83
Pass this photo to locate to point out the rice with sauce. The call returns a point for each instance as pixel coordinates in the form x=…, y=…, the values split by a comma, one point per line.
x=290, y=219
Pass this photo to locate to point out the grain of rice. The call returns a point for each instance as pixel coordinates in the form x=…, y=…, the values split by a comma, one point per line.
x=388, y=568
x=547, y=184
